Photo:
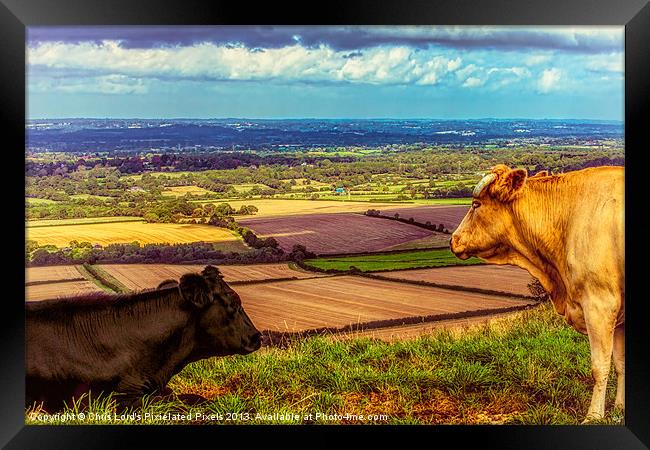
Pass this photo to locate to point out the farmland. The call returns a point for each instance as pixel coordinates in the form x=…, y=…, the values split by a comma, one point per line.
x=505, y=278
x=284, y=207
x=341, y=301
x=123, y=232
x=80, y=221
x=178, y=191
x=334, y=233
x=291, y=300
x=390, y=261
x=145, y=276
x=449, y=216
x=51, y=273
x=64, y=289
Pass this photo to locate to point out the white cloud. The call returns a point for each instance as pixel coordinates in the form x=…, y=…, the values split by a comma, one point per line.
x=549, y=80
x=108, y=84
x=614, y=62
x=473, y=82
x=534, y=60
x=378, y=65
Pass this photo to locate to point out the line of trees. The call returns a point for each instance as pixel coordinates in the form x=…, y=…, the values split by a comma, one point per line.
x=134, y=252
x=411, y=221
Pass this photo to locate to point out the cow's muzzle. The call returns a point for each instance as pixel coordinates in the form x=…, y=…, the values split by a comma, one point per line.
x=458, y=249
x=254, y=343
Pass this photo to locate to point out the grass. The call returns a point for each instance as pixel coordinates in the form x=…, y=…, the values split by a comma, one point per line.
x=32, y=201
x=392, y=261
x=245, y=187
x=528, y=368
x=87, y=196
x=180, y=191
x=144, y=233
x=157, y=174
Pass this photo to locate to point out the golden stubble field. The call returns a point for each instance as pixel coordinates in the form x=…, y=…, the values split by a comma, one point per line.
x=144, y=233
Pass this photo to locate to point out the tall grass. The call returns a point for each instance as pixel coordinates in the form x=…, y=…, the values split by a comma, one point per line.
x=529, y=368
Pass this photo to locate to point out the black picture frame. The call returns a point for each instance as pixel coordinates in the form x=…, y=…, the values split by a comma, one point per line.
x=16, y=15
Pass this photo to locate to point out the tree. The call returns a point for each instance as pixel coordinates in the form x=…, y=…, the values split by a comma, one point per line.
x=224, y=209
x=30, y=246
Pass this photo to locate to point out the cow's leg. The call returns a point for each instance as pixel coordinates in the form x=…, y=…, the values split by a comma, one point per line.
x=600, y=330
x=619, y=364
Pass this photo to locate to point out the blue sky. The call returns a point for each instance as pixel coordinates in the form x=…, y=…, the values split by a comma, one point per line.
x=325, y=72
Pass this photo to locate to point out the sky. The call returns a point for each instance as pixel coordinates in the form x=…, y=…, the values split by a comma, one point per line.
x=441, y=72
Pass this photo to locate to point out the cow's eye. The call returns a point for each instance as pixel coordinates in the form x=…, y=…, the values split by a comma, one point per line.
x=476, y=204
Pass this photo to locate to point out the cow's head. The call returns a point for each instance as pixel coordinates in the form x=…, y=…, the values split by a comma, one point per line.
x=223, y=326
x=486, y=226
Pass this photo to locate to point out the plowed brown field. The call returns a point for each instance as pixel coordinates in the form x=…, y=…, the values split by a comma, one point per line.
x=449, y=216
x=55, y=290
x=51, y=273
x=145, y=276
x=340, y=301
x=509, y=279
x=336, y=233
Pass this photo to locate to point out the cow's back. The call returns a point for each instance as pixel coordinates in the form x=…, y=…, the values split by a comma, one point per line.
x=595, y=234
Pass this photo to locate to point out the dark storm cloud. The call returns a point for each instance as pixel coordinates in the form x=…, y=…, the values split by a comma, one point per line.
x=582, y=40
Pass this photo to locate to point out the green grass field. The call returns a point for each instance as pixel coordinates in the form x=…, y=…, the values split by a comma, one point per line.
x=157, y=174
x=392, y=261
x=87, y=196
x=180, y=191
x=246, y=187
x=528, y=368
x=31, y=201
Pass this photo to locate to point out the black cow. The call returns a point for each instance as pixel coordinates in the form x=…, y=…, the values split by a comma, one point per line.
x=131, y=344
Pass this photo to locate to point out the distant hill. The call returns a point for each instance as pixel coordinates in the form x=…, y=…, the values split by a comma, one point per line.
x=82, y=135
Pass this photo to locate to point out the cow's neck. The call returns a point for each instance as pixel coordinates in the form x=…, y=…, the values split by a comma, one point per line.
x=160, y=330
x=537, y=240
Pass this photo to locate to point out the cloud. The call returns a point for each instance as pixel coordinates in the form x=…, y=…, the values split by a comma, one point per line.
x=473, y=82
x=607, y=63
x=590, y=40
x=209, y=62
x=109, y=84
x=549, y=80
x=535, y=60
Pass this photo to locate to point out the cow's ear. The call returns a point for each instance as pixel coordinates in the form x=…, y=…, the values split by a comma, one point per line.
x=218, y=285
x=541, y=173
x=509, y=184
x=194, y=289
x=517, y=179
